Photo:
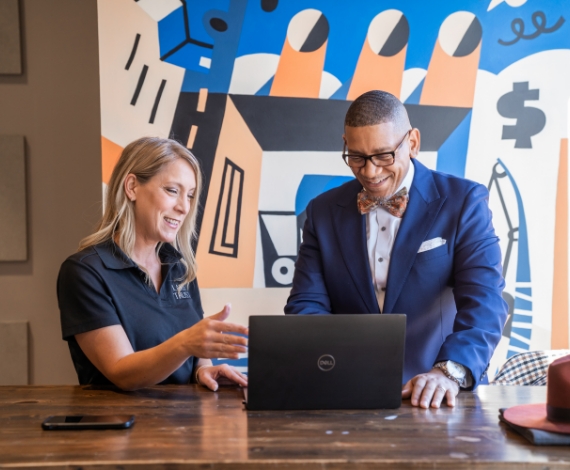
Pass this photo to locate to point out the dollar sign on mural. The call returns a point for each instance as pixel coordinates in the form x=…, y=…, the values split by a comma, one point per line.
x=530, y=121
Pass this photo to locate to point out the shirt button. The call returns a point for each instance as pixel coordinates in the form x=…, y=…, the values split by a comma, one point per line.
x=383, y=229
x=380, y=259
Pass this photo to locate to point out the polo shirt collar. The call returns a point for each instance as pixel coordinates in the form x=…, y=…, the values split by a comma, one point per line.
x=115, y=258
x=168, y=254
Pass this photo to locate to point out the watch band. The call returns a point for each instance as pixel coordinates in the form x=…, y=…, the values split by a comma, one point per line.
x=443, y=367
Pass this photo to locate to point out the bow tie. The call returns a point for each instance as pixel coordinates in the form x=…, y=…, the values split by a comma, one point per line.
x=395, y=205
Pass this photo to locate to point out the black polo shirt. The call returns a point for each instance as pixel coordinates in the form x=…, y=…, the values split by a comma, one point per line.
x=101, y=286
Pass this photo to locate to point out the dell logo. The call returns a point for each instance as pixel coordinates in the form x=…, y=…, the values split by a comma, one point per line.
x=326, y=362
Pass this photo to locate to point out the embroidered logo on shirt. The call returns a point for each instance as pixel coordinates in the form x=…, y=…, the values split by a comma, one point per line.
x=184, y=294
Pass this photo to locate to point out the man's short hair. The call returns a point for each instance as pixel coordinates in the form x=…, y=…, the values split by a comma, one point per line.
x=375, y=107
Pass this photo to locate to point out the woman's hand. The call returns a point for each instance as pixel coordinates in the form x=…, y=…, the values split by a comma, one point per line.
x=211, y=338
x=212, y=376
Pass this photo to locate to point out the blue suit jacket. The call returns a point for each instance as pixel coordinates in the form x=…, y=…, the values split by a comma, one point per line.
x=451, y=294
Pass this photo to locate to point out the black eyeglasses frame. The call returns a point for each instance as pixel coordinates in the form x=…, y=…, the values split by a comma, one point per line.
x=383, y=159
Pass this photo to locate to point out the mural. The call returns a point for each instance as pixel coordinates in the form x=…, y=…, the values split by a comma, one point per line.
x=258, y=91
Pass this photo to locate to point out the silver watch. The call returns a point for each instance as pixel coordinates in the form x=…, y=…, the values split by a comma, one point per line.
x=453, y=371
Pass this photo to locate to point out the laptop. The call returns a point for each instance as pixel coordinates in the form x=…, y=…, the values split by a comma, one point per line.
x=325, y=362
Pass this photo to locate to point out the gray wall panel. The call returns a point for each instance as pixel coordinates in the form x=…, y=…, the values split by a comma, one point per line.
x=13, y=230
x=10, y=54
x=14, y=353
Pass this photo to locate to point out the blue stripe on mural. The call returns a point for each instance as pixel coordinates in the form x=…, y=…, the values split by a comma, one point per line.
x=524, y=290
x=522, y=318
x=524, y=332
x=523, y=304
x=519, y=344
x=511, y=353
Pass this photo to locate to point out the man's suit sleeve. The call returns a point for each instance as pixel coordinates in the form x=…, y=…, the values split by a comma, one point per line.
x=309, y=292
x=477, y=288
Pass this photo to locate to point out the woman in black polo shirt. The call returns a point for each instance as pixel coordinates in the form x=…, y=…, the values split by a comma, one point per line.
x=130, y=306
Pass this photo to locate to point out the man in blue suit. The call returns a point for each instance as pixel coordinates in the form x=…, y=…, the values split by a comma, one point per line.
x=404, y=239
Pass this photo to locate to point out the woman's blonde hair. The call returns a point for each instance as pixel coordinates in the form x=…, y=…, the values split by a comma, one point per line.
x=145, y=158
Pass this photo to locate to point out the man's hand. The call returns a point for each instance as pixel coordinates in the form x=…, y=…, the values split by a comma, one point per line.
x=430, y=388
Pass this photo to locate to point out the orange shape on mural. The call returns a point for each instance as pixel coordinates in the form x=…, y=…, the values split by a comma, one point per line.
x=299, y=74
x=560, y=326
x=226, y=248
x=376, y=72
x=450, y=81
x=110, y=153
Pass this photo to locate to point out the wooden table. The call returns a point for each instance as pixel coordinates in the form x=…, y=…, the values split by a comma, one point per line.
x=188, y=426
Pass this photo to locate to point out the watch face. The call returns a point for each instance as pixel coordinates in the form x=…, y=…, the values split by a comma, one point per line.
x=455, y=369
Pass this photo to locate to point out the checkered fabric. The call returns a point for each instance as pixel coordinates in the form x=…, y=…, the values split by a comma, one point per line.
x=527, y=368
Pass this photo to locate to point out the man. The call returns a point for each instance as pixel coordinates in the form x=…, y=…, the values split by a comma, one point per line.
x=404, y=239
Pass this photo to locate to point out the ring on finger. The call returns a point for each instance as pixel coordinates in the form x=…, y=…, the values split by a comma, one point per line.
x=441, y=388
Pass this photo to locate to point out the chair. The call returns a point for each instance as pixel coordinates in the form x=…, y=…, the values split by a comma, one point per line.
x=527, y=368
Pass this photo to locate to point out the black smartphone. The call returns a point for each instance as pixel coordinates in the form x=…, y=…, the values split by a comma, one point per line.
x=53, y=423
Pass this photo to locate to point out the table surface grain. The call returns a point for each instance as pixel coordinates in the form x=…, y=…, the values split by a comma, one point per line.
x=188, y=426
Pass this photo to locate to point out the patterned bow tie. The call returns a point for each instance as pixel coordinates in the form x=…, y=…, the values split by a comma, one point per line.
x=395, y=205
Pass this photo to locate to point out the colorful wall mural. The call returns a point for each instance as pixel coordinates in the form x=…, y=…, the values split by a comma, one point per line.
x=258, y=91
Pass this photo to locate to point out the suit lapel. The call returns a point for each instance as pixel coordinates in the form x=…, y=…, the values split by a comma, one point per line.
x=350, y=230
x=423, y=207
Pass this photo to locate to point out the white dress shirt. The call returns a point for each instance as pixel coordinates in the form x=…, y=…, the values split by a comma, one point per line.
x=381, y=230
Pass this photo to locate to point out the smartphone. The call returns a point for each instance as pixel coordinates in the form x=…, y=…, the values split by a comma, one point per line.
x=53, y=423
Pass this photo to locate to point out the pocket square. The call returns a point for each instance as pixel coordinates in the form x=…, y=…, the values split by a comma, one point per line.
x=431, y=244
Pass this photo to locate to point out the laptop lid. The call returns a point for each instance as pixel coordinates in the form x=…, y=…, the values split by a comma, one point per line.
x=315, y=362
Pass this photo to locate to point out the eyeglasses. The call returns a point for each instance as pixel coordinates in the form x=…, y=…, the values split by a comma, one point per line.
x=378, y=159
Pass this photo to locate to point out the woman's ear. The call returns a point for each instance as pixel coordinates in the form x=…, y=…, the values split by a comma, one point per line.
x=130, y=186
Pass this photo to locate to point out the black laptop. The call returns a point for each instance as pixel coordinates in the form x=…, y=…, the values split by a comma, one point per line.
x=318, y=362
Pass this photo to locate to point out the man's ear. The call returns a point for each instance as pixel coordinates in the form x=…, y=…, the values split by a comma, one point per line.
x=415, y=140
x=130, y=187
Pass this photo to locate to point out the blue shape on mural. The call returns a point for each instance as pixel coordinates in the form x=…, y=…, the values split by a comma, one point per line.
x=415, y=96
x=522, y=318
x=171, y=31
x=524, y=290
x=183, y=41
x=204, y=41
x=252, y=30
x=265, y=89
x=313, y=185
x=452, y=155
x=523, y=276
x=342, y=92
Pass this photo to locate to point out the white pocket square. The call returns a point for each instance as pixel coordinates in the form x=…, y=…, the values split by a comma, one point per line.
x=431, y=244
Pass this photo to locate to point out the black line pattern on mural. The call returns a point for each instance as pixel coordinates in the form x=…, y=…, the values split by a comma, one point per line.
x=140, y=83
x=157, y=101
x=188, y=39
x=133, y=51
x=233, y=174
x=538, y=21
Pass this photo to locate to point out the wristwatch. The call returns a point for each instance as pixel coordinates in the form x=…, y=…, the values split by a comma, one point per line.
x=452, y=370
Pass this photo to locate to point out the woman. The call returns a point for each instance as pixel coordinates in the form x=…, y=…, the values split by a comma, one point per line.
x=130, y=306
